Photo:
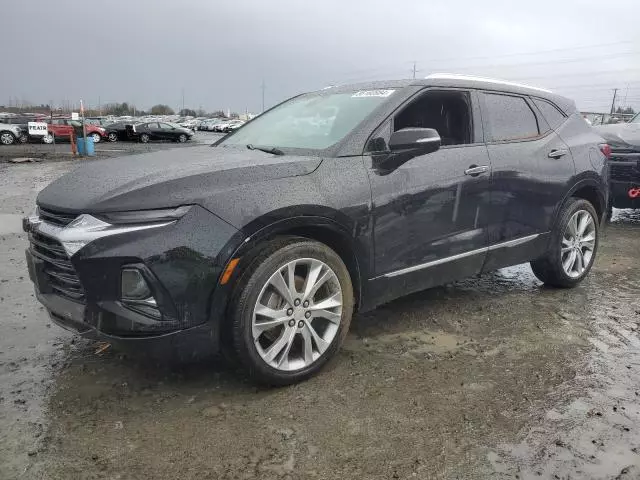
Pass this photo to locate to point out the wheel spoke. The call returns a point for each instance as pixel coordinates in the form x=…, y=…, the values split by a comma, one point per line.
x=284, y=359
x=566, y=242
x=579, y=261
x=333, y=301
x=308, y=346
x=276, y=318
x=570, y=260
x=321, y=281
x=272, y=352
x=573, y=226
x=328, y=315
x=583, y=222
x=277, y=282
x=589, y=237
x=312, y=276
x=291, y=277
x=320, y=343
x=589, y=245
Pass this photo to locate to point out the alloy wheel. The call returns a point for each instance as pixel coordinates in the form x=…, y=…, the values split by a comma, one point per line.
x=96, y=137
x=48, y=138
x=297, y=314
x=578, y=243
x=6, y=138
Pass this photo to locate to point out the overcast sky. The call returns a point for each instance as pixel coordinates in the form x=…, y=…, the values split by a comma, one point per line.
x=219, y=52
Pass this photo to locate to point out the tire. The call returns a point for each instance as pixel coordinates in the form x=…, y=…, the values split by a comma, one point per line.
x=96, y=137
x=24, y=138
x=565, y=246
x=48, y=139
x=144, y=138
x=112, y=137
x=7, y=138
x=311, y=335
x=182, y=138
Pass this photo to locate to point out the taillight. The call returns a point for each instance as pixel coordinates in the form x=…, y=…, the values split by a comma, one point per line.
x=605, y=148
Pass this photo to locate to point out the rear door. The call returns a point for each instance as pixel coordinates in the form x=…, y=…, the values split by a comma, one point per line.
x=167, y=132
x=530, y=167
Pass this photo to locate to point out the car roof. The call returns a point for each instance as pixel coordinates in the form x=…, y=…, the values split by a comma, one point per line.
x=462, y=81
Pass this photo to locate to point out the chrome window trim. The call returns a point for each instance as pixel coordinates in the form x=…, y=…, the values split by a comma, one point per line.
x=440, y=261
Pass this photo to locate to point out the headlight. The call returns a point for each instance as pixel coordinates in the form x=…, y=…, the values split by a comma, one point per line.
x=144, y=216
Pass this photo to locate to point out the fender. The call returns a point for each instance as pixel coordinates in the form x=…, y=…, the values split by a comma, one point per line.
x=586, y=179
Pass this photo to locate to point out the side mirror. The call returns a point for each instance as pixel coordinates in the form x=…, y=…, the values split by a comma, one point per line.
x=419, y=140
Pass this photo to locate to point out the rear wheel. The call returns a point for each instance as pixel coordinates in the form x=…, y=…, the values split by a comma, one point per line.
x=144, y=138
x=7, y=138
x=291, y=311
x=48, y=138
x=574, y=243
x=113, y=137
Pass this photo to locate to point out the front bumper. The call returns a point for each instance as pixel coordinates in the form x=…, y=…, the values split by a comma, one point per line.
x=181, y=260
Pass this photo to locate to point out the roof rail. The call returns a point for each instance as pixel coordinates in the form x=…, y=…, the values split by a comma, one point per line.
x=456, y=76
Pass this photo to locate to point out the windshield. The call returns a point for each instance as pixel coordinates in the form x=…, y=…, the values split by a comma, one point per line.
x=635, y=119
x=312, y=121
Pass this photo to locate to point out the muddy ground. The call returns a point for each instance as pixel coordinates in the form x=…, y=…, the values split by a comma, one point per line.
x=492, y=377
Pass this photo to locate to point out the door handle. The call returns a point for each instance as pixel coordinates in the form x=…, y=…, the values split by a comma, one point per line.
x=475, y=170
x=557, y=153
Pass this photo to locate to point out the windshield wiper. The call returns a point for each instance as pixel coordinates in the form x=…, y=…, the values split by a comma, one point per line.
x=272, y=150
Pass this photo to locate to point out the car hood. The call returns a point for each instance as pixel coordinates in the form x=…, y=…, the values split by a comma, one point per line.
x=625, y=135
x=168, y=178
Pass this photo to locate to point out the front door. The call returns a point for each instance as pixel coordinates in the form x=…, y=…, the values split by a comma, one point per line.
x=429, y=214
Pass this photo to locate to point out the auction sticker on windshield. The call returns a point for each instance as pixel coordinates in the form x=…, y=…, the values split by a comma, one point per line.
x=373, y=93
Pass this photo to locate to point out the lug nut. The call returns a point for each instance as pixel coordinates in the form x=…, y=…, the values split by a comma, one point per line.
x=296, y=302
x=307, y=315
x=305, y=304
x=292, y=323
x=290, y=312
x=300, y=324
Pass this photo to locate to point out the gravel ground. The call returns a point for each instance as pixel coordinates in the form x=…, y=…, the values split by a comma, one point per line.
x=492, y=377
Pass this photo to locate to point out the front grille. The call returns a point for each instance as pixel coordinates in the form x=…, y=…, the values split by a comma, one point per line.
x=57, y=266
x=56, y=218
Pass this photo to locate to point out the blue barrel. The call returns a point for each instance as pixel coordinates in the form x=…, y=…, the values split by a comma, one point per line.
x=86, y=147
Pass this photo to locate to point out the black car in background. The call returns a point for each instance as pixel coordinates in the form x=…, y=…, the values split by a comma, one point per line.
x=117, y=131
x=624, y=164
x=332, y=202
x=145, y=132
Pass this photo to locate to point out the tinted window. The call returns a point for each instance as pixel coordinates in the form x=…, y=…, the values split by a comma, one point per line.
x=510, y=118
x=151, y=125
x=165, y=126
x=551, y=114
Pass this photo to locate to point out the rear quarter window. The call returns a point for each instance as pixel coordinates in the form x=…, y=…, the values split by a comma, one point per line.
x=551, y=114
x=510, y=118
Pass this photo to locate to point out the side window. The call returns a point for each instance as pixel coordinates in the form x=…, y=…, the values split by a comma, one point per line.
x=510, y=117
x=165, y=126
x=551, y=114
x=448, y=112
x=151, y=125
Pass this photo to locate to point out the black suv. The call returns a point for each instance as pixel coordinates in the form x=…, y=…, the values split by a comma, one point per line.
x=332, y=202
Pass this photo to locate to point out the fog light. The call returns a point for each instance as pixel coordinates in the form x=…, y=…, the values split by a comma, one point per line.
x=133, y=285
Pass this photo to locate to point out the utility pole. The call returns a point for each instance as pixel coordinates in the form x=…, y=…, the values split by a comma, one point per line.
x=263, y=86
x=99, y=106
x=414, y=69
x=182, y=98
x=613, y=103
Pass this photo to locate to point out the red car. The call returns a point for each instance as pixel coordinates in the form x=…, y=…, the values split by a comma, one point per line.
x=62, y=128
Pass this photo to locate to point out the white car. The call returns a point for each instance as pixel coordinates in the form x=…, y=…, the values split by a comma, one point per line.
x=10, y=134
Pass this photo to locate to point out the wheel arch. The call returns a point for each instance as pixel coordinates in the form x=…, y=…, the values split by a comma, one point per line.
x=321, y=229
x=589, y=188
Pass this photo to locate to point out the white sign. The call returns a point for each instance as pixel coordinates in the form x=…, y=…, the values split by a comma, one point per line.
x=75, y=116
x=372, y=93
x=37, y=128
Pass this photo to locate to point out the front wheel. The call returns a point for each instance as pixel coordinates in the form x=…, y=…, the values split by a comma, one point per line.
x=7, y=138
x=48, y=138
x=113, y=137
x=291, y=310
x=144, y=138
x=182, y=138
x=574, y=243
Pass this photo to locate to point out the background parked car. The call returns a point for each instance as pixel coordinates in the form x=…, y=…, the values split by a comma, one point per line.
x=144, y=132
x=62, y=128
x=232, y=125
x=12, y=133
